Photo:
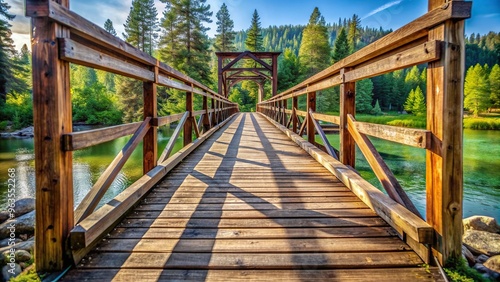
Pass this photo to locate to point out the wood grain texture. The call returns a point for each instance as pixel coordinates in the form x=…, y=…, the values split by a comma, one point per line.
x=418, y=138
x=238, y=202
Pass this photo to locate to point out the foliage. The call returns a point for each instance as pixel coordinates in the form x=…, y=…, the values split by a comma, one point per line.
x=7, y=51
x=225, y=31
x=376, y=109
x=314, y=52
x=253, y=41
x=415, y=103
x=93, y=105
x=364, y=93
x=482, y=123
x=184, y=44
x=30, y=276
x=457, y=270
x=108, y=26
x=476, y=90
x=19, y=108
x=494, y=79
x=341, y=48
x=288, y=70
x=354, y=32
x=141, y=26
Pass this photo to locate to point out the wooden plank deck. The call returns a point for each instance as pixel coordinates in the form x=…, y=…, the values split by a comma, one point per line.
x=249, y=204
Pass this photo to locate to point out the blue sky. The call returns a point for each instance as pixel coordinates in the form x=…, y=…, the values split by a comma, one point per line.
x=374, y=13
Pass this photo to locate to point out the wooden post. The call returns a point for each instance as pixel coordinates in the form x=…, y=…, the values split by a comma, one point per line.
x=52, y=117
x=275, y=75
x=219, y=75
x=206, y=119
x=444, y=169
x=285, y=119
x=213, y=113
x=188, y=125
x=311, y=105
x=295, y=106
x=347, y=107
x=261, y=92
x=150, y=148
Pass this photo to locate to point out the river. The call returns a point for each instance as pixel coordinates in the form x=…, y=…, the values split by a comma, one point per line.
x=481, y=168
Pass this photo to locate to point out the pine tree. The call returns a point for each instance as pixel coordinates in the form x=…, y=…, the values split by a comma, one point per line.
x=7, y=51
x=410, y=102
x=225, y=31
x=108, y=26
x=289, y=70
x=141, y=27
x=140, y=31
x=376, y=109
x=254, y=35
x=314, y=53
x=494, y=79
x=184, y=44
x=364, y=94
x=419, y=105
x=341, y=48
x=354, y=32
x=477, y=96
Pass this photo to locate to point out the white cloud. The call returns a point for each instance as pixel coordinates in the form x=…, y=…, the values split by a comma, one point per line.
x=381, y=8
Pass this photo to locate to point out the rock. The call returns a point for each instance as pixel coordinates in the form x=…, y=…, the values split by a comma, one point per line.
x=24, y=206
x=482, y=258
x=22, y=256
x=481, y=223
x=485, y=242
x=11, y=270
x=5, y=242
x=493, y=263
x=19, y=225
x=4, y=215
x=468, y=256
x=481, y=268
x=26, y=245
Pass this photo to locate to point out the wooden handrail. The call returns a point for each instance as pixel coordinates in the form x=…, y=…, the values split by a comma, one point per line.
x=91, y=200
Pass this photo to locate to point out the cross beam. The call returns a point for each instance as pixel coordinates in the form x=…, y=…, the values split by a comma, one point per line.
x=229, y=75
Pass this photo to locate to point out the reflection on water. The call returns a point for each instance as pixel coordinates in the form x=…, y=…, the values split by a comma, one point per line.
x=88, y=165
x=481, y=168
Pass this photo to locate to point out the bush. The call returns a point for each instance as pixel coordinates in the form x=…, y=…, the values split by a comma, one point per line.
x=459, y=271
x=3, y=125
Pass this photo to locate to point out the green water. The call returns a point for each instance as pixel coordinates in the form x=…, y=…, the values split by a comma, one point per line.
x=88, y=165
x=481, y=168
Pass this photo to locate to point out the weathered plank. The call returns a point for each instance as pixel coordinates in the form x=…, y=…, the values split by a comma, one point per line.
x=408, y=136
x=395, y=214
x=294, y=275
x=80, y=140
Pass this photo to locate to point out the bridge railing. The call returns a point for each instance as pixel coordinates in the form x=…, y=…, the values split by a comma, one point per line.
x=436, y=38
x=61, y=37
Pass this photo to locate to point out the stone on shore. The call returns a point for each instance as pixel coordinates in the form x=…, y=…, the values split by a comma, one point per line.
x=24, y=206
x=24, y=224
x=481, y=223
x=484, y=242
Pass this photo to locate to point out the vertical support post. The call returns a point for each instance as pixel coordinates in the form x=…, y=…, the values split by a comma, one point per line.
x=275, y=75
x=206, y=119
x=188, y=125
x=285, y=119
x=311, y=105
x=219, y=75
x=52, y=117
x=212, y=107
x=261, y=92
x=150, y=150
x=295, y=106
x=347, y=106
x=444, y=169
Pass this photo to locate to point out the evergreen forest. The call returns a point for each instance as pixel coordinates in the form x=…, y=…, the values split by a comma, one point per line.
x=178, y=37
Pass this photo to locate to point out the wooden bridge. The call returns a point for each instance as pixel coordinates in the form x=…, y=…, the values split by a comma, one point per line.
x=248, y=197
